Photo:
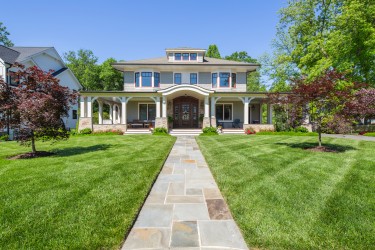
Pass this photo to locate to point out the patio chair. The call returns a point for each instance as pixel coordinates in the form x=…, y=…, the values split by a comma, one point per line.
x=236, y=123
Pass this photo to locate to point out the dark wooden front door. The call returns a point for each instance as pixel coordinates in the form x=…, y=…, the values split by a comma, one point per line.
x=185, y=112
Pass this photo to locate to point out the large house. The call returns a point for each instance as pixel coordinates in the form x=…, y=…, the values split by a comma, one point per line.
x=182, y=89
x=46, y=58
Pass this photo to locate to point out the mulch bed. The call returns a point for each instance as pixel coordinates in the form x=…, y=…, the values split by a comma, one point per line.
x=31, y=155
x=322, y=149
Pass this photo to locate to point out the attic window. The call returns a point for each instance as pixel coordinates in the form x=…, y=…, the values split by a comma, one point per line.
x=185, y=56
x=177, y=56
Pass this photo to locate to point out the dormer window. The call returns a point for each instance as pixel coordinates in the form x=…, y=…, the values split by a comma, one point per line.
x=177, y=56
x=185, y=56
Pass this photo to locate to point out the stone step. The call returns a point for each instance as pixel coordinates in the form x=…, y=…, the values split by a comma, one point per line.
x=233, y=131
x=185, y=132
x=137, y=132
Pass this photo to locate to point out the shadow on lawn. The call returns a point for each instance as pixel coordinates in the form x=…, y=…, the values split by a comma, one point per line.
x=310, y=145
x=80, y=150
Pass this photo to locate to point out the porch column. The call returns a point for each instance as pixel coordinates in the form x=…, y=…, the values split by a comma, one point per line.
x=89, y=107
x=206, y=107
x=123, y=110
x=246, y=110
x=82, y=107
x=111, y=113
x=114, y=116
x=100, y=115
x=269, y=113
x=213, y=102
x=157, y=101
x=164, y=107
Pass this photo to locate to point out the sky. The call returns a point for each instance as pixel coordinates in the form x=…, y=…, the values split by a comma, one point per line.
x=138, y=29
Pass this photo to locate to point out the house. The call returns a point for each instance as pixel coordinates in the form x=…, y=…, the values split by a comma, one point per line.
x=46, y=58
x=182, y=89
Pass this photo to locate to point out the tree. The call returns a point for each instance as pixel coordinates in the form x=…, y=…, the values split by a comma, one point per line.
x=4, y=40
x=213, y=51
x=327, y=97
x=110, y=78
x=83, y=64
x=38, y=105
x=253, y=78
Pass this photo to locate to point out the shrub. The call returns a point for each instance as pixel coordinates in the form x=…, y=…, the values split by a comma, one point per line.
x=73, y=132
x=109, y=132
x=362, y=132
x=160, y=131
x=209, y=131
x=4, y=137
x=250, y=131
x=85, y=131
x=301, y=129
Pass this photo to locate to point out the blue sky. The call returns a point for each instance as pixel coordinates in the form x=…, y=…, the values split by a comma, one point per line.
x=140, y=29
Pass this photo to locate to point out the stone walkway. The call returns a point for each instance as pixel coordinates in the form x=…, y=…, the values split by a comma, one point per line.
x=185, y=209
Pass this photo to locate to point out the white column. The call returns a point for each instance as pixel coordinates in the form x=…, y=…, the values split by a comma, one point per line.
x=206, y=107
x=82, y=108
x=100, y=115
x=164, y=107
x=123, y=110
x=213, y=107
x=157, y=107
x=269, y=113
x=89, y=107
x=246, y=110
x=114, y=114
x=111, y=112
x=260, y=113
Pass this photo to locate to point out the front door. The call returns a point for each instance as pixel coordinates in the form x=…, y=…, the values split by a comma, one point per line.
x=185, y=114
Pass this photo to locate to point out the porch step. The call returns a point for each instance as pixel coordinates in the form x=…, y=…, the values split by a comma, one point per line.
x=180, y=132
x=233, y=131
x=137, y=131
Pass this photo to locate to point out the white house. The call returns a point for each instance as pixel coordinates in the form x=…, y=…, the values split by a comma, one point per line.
x=182, y=89
x=46, y=58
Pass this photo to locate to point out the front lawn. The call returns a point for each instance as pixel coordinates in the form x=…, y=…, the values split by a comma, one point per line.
x=86, y=196
x=285, y=197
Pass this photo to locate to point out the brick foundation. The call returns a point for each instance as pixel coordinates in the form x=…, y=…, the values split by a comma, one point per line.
x=206, y=122
x=161, y=122
x=84, y=122
x=259, y=127
x=106, y=127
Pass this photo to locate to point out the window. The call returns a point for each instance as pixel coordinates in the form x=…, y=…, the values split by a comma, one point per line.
x=177, y=56
x=177, y=78
x=193, y=78
x=224, y=112
x=74, y=114
x=234, y=80
x=214, y=80
x=224, y=80
x=146, y=79
x=137, y=79
x=147, y=111
x=193, y=56
x=185, y=56
x=156, y=79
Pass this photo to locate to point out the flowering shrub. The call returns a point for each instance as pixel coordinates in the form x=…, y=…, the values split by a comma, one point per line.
x=250, y=131
x=362, y=132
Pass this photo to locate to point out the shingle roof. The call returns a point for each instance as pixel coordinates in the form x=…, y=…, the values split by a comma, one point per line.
x=164, y=61
x=184, y=48
x=8, y=55
x=28, y=51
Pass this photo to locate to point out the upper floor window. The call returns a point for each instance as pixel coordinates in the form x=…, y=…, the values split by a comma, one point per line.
x=185, y=56
x=193, y=56
x=146, y=79
x=224, y=80
x=214, y=80
x=137, y=79
x=177, y=78
x=234, y=80
x=177, y=56
x=156, y=79
x=193, y=78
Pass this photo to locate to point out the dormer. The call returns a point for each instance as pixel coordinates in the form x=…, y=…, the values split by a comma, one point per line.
x=185, y=55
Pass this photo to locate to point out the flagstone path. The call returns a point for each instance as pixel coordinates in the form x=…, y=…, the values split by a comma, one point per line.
x=185, y=209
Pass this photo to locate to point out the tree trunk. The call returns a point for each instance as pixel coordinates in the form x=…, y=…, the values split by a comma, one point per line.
x=33, y=143
x=320, y=135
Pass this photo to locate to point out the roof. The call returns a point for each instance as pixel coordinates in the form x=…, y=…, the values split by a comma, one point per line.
x=26, y=52
x=8, y=55
x=164, y=61
x=184, y=48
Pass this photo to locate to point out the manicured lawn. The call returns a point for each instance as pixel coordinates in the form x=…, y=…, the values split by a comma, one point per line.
x=84, y=197
x=284, y=197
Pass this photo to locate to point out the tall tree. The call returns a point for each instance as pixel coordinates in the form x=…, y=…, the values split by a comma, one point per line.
x=253, y=78
x=111, y=79
x=213, y=51
x=4, y=40
x=85, y=68
x=38, y=104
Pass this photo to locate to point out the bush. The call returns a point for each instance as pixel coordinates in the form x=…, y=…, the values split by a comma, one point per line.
x=160, y=131
x=4, y=137
x=301, y=129
x=108, y=132
x=209, y=131
x=85, y=131
x=250, y=131
x=73, y=132
x=362, y=132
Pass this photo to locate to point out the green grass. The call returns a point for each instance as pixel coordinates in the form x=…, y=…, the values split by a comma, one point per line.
x=84, y=197
x=284, y=197
x=290, y=133
x=370, y=134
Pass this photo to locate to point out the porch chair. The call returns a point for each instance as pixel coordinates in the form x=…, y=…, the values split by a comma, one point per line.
x=236, y=123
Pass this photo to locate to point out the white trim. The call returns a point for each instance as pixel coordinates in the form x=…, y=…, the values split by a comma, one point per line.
x=186, y=87
x=225, y=103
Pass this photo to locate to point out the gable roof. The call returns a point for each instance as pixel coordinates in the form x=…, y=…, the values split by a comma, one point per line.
x=8, y=55
x=26, y=52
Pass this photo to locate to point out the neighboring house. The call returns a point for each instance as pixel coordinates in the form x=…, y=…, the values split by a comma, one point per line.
x=45, y=58
x=184, y=87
